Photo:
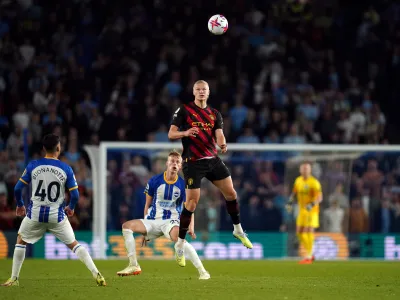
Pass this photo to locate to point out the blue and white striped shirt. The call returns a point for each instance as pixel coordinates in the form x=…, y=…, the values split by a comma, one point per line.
x=49, y=178
x=168, y=197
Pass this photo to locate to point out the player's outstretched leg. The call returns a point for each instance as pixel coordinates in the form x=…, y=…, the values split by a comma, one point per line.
x=192, y=196
x=185, y=219
x=232, y=206
x=190, y=254
x=85, y=257
x=18, y=260
x=127, y=231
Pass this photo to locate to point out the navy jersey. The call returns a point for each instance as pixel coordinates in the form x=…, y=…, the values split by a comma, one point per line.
x=168, y=197
x=49, y=178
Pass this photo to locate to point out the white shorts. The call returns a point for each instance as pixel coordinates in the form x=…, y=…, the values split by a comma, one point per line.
x=157, y=228
x=32, y=231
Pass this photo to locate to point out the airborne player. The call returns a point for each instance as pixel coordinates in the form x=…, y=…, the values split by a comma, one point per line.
x=201, y=127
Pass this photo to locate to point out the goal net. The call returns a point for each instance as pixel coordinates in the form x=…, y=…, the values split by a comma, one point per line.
x=263, y=175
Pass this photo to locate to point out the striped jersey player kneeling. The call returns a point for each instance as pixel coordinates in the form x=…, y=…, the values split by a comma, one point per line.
x=165, y=199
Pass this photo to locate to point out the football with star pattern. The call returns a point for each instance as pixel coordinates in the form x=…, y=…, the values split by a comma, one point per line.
x=218, y=24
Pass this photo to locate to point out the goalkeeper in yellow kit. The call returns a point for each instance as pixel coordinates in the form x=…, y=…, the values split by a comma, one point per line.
x=307, y=190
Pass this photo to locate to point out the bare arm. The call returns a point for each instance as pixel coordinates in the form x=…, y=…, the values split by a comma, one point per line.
x=221, y=140
x=149, y=200
x=175, y=134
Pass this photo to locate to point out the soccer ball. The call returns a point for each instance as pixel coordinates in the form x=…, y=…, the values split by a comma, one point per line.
x=218, y=24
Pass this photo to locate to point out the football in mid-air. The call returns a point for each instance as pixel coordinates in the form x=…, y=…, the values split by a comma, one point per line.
x=218, y=24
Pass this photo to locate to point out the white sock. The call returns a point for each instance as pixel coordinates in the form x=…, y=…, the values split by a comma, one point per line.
x=180, y=243
x=85, y=257
x=191, y=254
x=237, y=228
x=18, y=260
x=130, y=246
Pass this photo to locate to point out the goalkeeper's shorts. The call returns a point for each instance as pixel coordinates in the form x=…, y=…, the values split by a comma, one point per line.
x=307, y=219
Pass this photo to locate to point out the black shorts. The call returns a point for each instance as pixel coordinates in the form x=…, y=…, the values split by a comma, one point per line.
x=212, y=169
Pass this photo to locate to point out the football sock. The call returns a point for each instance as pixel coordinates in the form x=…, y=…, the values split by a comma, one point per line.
x=185, y=219
x=85, y=257
x=233, y=210
x=311, y=238
x=303, y=238
x=130, y=246
x=191, y=254
x=237, y=228
x=18, y=260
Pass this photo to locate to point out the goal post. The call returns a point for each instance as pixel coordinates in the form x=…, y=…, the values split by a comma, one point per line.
x=292, y=154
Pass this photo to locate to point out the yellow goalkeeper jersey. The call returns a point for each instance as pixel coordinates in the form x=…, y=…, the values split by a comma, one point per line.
x=307, y=191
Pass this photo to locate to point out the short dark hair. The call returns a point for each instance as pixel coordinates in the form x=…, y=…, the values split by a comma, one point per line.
x=50, y=142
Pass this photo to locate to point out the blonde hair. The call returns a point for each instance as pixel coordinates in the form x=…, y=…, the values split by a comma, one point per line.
x=174, y=153
x=200, y=81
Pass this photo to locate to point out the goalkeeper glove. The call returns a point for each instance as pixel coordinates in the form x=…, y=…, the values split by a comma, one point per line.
x=289, y=205
x=310, y=206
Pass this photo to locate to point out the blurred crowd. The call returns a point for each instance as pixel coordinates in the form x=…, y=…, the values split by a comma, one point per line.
x=286, y=72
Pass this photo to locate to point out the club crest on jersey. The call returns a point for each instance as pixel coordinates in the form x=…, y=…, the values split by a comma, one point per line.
x=190, y=181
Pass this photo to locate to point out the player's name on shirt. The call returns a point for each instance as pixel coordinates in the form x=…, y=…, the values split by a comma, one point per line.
x=49, y=169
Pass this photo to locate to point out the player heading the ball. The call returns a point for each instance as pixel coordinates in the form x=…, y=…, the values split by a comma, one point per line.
x=201, y=128
x=165, y=197
x=46, y=210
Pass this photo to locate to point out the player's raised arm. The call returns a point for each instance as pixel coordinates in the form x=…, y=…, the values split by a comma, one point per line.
x=175, y=134
x=177, y=122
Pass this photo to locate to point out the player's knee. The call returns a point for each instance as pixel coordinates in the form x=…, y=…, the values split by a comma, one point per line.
x=72, y=245
x=128, y=225
x=191, y=204
x=174, y=234
x=20, y=241
x=230, y=195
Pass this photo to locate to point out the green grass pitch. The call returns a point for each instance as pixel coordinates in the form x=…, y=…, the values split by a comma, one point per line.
x=284, y=280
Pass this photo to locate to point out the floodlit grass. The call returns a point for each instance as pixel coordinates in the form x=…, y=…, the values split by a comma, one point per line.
x=43, y=279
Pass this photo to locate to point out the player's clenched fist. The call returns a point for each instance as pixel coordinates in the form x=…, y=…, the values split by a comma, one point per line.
x=20, y=211
x=192, y=131
x=69, y=211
